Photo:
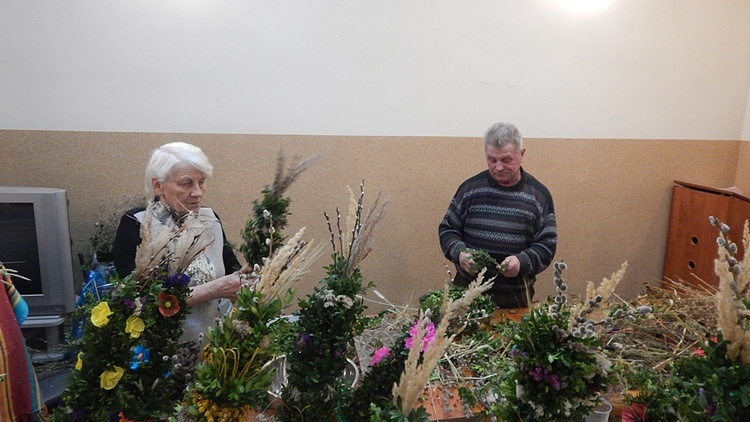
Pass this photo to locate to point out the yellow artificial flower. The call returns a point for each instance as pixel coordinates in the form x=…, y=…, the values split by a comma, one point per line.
x=135, y=326
x=109, y=379
x=79, y=363
x=100, y=314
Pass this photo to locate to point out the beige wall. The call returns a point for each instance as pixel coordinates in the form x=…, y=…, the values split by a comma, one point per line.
x=612, y=196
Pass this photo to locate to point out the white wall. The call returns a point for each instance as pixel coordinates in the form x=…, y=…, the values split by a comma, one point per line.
x=677, y=69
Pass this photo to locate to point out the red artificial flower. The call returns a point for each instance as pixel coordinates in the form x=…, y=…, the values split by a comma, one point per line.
x=635, y=412
x=168, y=304
x=699, y=351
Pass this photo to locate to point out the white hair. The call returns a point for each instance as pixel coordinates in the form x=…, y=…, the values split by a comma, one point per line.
x=501, y=134
x=165, y=158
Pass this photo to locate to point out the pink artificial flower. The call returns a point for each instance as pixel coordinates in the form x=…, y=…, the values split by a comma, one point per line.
x=379, y=354
x=429, y=335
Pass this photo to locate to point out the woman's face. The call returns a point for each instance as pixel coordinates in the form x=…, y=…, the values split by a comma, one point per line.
x=183, y=190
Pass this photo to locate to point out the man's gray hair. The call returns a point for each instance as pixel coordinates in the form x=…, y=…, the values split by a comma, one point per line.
x=165, y=158
x=501, y=134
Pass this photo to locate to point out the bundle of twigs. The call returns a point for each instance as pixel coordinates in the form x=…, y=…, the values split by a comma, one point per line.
x=680, y=322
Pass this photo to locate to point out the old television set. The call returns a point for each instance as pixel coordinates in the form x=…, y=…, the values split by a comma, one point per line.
x=35, y=241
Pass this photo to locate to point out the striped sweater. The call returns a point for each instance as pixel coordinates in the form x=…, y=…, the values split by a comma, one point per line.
x=503, y=221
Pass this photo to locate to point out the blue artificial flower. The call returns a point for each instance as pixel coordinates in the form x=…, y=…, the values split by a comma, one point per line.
x=140, y=355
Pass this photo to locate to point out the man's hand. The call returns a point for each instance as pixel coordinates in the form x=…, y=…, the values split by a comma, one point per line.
x=511, y=266
x=466, y=262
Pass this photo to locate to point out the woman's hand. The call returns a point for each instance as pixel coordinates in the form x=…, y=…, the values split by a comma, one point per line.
x=223, y=287
x=227, y=287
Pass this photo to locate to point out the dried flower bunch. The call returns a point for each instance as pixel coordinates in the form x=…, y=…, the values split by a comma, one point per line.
x=329, y=319
x=734, y=294
x=128, y=358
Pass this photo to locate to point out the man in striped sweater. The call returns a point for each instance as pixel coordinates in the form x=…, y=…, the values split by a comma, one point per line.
x=505, y=212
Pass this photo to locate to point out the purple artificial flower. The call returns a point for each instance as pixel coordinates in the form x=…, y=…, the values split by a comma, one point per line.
x=554, y=381
x=177, y=280
x=538, y=373
x=129, y=303
x=710, y=410
x=302, y=340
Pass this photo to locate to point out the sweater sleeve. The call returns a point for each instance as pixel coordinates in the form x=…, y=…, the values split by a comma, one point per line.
x=450, y=231
x=539, y=255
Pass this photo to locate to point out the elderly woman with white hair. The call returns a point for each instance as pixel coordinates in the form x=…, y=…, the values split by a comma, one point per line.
x=176, y=175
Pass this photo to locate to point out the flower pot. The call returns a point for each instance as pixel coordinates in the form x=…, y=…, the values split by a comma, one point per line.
x=600, y=413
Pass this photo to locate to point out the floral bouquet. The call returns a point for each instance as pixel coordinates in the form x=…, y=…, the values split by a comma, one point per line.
x=399, y=371
x=329, y=319
x=234, y=377
x=127, y=362
x=558, y=369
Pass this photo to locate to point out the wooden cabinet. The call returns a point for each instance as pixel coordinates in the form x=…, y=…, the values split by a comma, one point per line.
x=691, y=239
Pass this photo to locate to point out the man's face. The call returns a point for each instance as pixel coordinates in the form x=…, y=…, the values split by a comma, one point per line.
x=504, y=163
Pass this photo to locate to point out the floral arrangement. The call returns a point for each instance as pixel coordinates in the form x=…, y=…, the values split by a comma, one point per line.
x=262, y=232
x=127, y=359
x=558, y=369
x=329, y=319
x=234, y=376
x=711, y=383
x=399, y=371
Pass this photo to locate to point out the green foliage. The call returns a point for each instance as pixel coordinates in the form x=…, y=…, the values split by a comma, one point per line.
x=482, y=260
x=329, y=319
x=698, y=388
x=233, y=371
x=392, y=413
x=554, y=376
x=148, y=388
x=105, y=229
x=479, y=310
x=484, y=354
x=376, y=386
x=268, y=220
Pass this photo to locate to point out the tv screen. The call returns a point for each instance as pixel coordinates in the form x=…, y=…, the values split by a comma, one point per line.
x=20, y=249
x=35, y=241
